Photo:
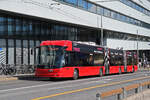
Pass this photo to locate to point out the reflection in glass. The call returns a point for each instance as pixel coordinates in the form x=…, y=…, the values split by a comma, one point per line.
x=52, y=56
x=18, y=52
x=72, y=1
x=92, y=7
x=25, y=52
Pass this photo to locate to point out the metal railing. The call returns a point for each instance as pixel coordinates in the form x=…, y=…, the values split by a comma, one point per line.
x=10, y=69
x=121, y=93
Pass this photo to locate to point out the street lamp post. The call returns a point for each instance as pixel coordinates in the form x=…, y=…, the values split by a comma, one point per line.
x=102, y=32
x=102, y=39
x=138, y=48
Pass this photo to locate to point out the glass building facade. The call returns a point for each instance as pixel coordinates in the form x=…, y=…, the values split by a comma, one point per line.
x=20, y=33
x=100, y=10
x=136, y=6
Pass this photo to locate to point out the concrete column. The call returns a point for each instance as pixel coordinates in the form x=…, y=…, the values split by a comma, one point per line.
x=119, y=97
x=148, y=86
x=98, y=96
x=140, y=88
x=124, y=93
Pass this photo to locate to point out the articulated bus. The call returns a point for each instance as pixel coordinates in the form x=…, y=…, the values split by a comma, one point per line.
x=64, y=59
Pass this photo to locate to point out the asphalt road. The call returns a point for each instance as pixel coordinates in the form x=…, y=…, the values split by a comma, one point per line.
x=82, y=89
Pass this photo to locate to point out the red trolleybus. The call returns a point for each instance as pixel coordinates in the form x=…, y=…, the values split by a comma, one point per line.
x=122, y=61
x=131, y=61
x=64, y=58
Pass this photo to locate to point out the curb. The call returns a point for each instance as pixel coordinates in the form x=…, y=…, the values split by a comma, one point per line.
x=15, y=77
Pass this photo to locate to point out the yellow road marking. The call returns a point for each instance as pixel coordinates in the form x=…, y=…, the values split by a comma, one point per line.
x=89, y=88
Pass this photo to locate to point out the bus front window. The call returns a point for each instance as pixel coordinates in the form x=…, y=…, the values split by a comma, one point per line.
x=50, y=57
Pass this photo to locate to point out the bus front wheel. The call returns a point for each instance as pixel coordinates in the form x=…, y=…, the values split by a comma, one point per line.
x=75, y=74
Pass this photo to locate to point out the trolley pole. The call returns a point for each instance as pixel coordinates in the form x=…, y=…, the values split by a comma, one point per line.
x=102, y=39
x=138, y=48
x=102, y=32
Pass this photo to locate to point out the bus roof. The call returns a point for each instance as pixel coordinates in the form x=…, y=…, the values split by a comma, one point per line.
x=66, y=43
x=76, y=46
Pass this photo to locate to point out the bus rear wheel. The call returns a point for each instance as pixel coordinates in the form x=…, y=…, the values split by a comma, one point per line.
x=75, y=74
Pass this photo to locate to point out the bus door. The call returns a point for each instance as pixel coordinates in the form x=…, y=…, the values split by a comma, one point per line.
x=125, y=60
x=106, y=61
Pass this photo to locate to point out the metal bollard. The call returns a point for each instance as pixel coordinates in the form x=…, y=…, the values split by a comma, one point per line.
x=98, y=96
x=136, y=90
x=119, y=97
x=140, y=88
x=124, y=93
x=148, y=86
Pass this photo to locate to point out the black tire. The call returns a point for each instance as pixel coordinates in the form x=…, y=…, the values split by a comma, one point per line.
x=1, y=71
x=10, y=71
x=30, y=70
x=100, y=73
x=22, y=71
x=14, y=71
x=19, y=71
x=75, y=74
x=5, y=72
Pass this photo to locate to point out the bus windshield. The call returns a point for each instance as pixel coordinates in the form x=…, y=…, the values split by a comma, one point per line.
x=50, y=57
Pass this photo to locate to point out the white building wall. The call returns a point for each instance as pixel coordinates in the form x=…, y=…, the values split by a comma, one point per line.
x=124, y=9
x=65, y=13
x=128, y=45
x=69, y=14
x=111, y=24
x=144, y=3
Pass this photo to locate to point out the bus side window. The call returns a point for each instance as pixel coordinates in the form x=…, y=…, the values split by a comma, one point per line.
x=90, y=60
x=98, y=59
x=83, y=59
x=67, y=58
x=116, y=60
x=129, y=59
x=71, y=59
x=120, y=60
x=112, y=60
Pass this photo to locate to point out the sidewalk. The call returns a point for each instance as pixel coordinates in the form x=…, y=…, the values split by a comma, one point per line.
x=22, y=77
x=7, y=78
x=145, y=95
x=15, y=77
